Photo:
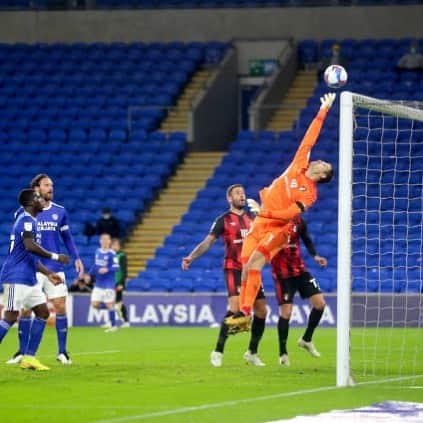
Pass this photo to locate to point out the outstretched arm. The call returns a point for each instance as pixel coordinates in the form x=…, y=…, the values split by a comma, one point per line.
x=198, y=251
x=301, y=158
x=216, y=231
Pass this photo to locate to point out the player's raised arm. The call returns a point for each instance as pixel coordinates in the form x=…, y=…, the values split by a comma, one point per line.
x=198, y=251
x=301, y=158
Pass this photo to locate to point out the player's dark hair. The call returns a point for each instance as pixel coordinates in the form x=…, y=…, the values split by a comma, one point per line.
x=26, y=197
x=37, y=179
x=327, y=178
x=232, y=187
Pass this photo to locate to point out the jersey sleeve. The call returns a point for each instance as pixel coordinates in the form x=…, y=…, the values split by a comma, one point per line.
x=302, y=156
x=286, y=214
x=27, y=225
x=217, y=227
x=305, y=236
x=67, y=236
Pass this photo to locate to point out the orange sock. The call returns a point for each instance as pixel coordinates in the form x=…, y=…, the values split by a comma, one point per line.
x=242, y=294
x=251, y=290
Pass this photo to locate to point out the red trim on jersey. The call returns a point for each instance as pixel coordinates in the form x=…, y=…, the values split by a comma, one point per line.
x=233, y=228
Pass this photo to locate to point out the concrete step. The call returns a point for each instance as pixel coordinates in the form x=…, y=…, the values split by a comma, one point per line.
x=158, y=222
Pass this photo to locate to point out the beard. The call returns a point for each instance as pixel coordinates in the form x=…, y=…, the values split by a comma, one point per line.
x=239, y=205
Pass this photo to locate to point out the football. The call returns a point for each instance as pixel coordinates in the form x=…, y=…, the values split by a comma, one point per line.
x=335, y=76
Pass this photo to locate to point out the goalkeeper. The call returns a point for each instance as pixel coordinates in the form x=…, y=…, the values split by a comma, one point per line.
x=290, y=194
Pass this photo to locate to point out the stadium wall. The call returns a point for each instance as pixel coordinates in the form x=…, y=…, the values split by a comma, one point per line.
x=214, y=111
x=212, y=24
x=206, y=310
x=275, y=89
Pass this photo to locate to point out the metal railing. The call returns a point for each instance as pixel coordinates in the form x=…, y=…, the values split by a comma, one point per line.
x=268, y=110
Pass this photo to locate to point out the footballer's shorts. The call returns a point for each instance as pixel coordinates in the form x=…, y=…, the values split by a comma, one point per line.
x=233, y=283
x=266, y=238
x=53, y=291
x=18, y=296
x=286, y=288
x=103, y=295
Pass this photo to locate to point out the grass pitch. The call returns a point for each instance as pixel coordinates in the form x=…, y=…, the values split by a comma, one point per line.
x=164, y=375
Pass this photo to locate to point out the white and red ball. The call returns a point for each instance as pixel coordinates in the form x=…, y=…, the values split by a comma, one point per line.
x=335, y=76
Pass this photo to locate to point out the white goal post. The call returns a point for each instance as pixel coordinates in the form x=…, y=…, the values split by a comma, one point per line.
x=348, y=104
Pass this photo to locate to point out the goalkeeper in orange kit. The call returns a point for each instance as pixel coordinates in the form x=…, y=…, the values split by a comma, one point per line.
x=290, y=194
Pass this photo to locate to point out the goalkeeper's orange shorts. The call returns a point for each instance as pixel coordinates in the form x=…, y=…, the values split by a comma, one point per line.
x=266, y=238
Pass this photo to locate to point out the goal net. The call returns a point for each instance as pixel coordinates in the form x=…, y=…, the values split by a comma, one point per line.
x=380, y=240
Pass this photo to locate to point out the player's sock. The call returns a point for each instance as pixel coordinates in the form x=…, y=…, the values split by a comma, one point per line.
x=24, y=327
x=223, y=334
x=251, y=290
x=118, y=309
x=112, y=317
x=124, y=313
x=4, y=328
x=35, y=335
x=257, y=329
x=62, y=331
x=283, y=330
x=313, y=321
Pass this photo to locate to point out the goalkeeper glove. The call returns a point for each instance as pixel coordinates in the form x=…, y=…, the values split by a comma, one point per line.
x=327, y=100
x=253, y=205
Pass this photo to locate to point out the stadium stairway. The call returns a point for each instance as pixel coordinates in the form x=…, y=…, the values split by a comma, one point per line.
x=177, y=119
x=167, y=210
x=295, y=100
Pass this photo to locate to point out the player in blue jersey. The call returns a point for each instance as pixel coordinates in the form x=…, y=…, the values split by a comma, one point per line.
x=18, y=276
x=103, y=272
x=53, y=227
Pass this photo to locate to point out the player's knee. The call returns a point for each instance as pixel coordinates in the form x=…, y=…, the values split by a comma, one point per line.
x=256, y=261
x=60, y=308
x=261, y=314
x=286, y=314
x=285, y=311
x=318, y=301
x=11, y=317
x=42, y=313
x=320, y=305
x=26, y=313
x=260, y=309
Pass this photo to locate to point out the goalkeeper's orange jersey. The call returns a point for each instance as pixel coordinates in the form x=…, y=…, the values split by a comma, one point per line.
x=280, y=200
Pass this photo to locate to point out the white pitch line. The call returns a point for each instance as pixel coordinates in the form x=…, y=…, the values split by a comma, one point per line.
x=242, y=401
x=88, y=353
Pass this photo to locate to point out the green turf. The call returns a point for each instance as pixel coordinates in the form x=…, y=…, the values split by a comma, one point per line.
x=142, y=371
